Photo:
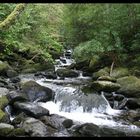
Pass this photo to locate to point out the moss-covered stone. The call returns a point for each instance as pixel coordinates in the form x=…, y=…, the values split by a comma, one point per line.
x=5, y=129
x=17, y=132
x=2, y=115
x=120, y=72
x=3, y=67
x=67, y=73
x=101, y=72
x=106, y=86
x=3, y=102
x=130, y=86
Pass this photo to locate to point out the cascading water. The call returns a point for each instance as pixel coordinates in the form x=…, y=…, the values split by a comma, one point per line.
x=72, y=103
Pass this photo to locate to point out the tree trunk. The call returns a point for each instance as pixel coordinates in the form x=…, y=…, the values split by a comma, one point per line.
x=11, y=18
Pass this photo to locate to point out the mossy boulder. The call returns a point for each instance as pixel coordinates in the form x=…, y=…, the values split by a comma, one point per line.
x=67, y=73
x=106, y=86
x=101, y=72
x=5, y=129
x=130, y=86
x=11, y=73
x=3, y=102
x=4, y=66
x=30, y=66
x=17, y=132
x=120, y=72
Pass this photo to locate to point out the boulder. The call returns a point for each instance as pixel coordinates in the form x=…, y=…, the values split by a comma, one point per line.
x=100, y=73
x=133, y=103
x=67, y=73
x=92, y=130
x=54, y=120
x=15, y=79
x=3, y=68
x=120, y=72
x=17, y=132
x=31, y=109
x=14, y=96
x=5, y=129
x=67, y=123
x=50, y=74
x=34, y=127
x=3, y=102
x=63, y=60
x=106, y=86
x=130, y=86
x=36, y=92
x=11, y=73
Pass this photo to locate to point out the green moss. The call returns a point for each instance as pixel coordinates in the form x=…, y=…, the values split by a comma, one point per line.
x=5, y=131
x=101, y=72
x=17, y=132
x=2, y=115
x=120, y=72
x=3, y=102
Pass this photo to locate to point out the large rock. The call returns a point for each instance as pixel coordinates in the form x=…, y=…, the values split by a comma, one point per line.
x=120, y=72
x=14, y=96
x=11, y=73
x=36, y=92
x=55, y=121
x=100, y=73
x=31, y=109
x=106, y=86
x=107, y=78
x=3, y=68
x=67, y=73
x=50, y=74
x=34, y=127
x=130, y=86
x=92, y=130
x=5, y=129
x=3, y=102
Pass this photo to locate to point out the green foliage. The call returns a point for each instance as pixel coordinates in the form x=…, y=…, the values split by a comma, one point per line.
x=115, y=26
x=37, y=28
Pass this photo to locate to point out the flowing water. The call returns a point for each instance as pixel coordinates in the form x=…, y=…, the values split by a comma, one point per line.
x=72, y=103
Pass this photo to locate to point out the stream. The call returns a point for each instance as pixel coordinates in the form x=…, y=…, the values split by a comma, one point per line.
x=72, y=103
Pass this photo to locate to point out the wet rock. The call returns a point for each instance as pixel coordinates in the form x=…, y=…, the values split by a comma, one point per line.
x=63, y=60
x=31, y=109
x=4, y=66
x=85, y=73
x=118, y=97
x=18, y=119
x=133, y=103
x=67, y=123
x=106, y=86
x=100, y=73
x=130, y=86
x=5, y=129
x=54, y=120
x=15, y=80
x=14, y=96
x=67, y=73
x=50, y=74
x=107, y=78
x=92, y=130
x=36, y=92
x=11, y=73
x=120, y=72
x=34, y=127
